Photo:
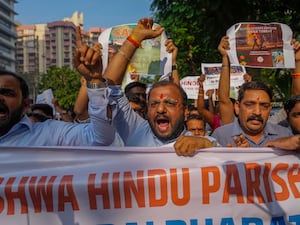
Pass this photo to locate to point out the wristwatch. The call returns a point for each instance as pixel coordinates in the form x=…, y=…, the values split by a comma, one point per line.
x=174, y=67
x=93, y=85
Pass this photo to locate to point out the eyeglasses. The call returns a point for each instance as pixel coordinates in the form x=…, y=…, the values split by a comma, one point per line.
x=168, y=103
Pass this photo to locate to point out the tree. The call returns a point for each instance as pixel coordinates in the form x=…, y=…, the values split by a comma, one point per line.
x=196, y=26
x=65, y=84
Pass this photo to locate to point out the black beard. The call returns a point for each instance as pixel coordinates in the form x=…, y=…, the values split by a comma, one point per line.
x=12, y=119
x=176, y=132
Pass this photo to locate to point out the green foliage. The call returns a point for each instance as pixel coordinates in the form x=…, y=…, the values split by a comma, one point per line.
x=65, y=84
x=196, y=27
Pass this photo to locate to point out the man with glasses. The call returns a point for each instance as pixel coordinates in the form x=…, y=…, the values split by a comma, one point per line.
x=167, y=102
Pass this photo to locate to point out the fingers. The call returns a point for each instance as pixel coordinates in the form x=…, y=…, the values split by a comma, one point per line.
x=170, y=47
x=78, y=37
x=181, y=148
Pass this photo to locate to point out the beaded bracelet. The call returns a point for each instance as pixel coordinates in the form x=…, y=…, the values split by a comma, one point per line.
x=132, y=39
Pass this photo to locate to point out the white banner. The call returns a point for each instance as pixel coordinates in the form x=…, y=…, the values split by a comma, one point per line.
x=148, y=186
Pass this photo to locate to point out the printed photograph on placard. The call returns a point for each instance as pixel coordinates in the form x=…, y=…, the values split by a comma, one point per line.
x=148, y=63
x=263, y=45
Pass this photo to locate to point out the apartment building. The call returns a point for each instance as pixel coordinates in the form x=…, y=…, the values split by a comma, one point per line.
x=7, y=35
x=40, y=46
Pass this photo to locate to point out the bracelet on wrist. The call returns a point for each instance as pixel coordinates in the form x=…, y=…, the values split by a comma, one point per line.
x=93, y=85
x=223, y=65
x=133, y=40
x=296, y=75
x=174, y=67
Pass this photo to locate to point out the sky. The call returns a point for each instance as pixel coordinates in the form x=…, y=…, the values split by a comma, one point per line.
x=96, y=13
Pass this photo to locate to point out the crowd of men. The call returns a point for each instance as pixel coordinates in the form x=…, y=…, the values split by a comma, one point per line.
x=159, y=117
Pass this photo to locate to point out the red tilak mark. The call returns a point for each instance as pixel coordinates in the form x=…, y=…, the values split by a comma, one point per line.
x=161, y=96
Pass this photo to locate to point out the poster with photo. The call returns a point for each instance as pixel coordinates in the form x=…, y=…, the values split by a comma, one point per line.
x=261, y=45
x=149, y=62
x=212, y=73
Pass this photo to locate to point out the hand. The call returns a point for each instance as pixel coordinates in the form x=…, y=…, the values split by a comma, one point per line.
x=286, y=143
x=210, y=93
x=224, y=45
x=201, y=78
x=55, y=101
x=88, y=61
x=187, y=145
x=171, y=48
x=143, y=30
x=240, y=141
x=296, y=46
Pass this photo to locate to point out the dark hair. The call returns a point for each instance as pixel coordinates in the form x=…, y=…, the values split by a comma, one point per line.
x=38, y=116
x=131, y=85
x=196, y=117
x=167, y=83
x=192, y=107
x=254, y=85
x=23, y=84
x=45, y=108
x=290, y=103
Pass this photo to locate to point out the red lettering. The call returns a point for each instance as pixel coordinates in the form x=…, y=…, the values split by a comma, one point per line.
x=266, y=181
x=116, y=190
x=103, y=190
x=138, y=189
x=66, y=184
x=293, y=178
x=19, y=194
x=210, y=187
x=42, y=190
x=232, y=174
x=284, y=194
x=185, y=187
x=253, y=182
x=153, y=175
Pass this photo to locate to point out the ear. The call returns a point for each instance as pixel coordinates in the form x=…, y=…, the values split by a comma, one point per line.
x=185, y=113
x=26, y=102
x=237, y=107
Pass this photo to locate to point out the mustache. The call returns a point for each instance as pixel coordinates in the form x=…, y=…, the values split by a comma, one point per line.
x=3, y=107
x=254, y=117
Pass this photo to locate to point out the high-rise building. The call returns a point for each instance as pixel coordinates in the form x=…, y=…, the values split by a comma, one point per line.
x=60, y=41
x=30, y=49
x=40, y=46
x=7, y=35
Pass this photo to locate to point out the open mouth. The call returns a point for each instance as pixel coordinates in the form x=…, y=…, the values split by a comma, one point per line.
x=163, y=124
x=3, y=111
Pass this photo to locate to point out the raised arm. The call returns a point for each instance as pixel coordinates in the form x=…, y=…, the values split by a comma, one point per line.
x=208, y=116
x=171, y=48
x=296, y=72
x=226, y=106
x=117, y=67
x=81, y=103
